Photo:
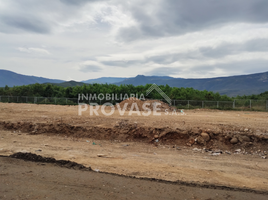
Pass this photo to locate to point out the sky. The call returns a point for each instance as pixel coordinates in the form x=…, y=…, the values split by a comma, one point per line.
x=85, y=39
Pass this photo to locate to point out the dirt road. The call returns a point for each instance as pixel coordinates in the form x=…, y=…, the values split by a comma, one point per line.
x=29, y=180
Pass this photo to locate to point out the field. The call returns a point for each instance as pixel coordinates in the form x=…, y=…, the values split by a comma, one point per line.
x=224, y=151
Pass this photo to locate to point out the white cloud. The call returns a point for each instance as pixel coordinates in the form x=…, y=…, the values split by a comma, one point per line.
x=33, y=50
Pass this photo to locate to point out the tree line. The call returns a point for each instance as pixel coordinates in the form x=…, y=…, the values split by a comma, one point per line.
x=261, y=96
x=50, y=90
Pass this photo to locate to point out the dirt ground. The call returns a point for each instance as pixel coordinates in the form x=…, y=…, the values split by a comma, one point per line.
x=47, y=181
x=225, y=149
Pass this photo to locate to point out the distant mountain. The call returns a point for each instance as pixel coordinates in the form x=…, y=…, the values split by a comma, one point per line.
x=11, y=79
x=143, y=80
x=68, y=84
x=104, y=80
x=231, y=86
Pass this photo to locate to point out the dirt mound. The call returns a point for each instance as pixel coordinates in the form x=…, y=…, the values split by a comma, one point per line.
x=225, y=137
x=38, y=158
x=144, y=105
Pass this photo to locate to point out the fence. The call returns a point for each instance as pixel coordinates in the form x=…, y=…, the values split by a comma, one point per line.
x=38, y=100
x=237, y=104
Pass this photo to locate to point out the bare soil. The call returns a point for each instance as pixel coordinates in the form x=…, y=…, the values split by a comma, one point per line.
x=44, y=180
x=137, y=104
x=203, y=147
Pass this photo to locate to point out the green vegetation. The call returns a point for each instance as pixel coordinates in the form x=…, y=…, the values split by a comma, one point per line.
x=184, y=98
x=56, y=90
x=68, y=84
x=49, y=90
x=262, y=96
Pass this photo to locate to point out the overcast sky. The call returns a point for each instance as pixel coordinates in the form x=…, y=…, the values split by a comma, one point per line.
x=84, y=39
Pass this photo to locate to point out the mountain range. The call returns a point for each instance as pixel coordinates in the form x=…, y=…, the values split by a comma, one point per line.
x=231, y=86
x=11, y=79
x=108, y=80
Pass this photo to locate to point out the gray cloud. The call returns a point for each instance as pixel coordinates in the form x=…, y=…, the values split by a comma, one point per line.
x=238, y=67
x=176, y=17
x=162, y=59
x=25, y=23
x=38, y=17
x=254, y=45
x=122, y=63
x=90, y=68
x=234, y=68
x=203, y=53
x=79, y=37
x=174, y=57
x=77, y=2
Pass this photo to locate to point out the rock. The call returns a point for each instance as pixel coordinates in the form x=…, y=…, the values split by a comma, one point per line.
x=200, y=140
x=208, y=131
x=263, y=157
x=238, y=150
x=191, y=142
x=228, y=152
x=211, y=135
x=215, y=154
x=205, y=136
x=196, y=149
x=258, y=133
x=217, y=132
x=244, y=138
x=228, y=137
x=156, y=136
x=23, y=151
x=246, y=129
x=234, y=140
x=217, y=151
x=196, y=130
